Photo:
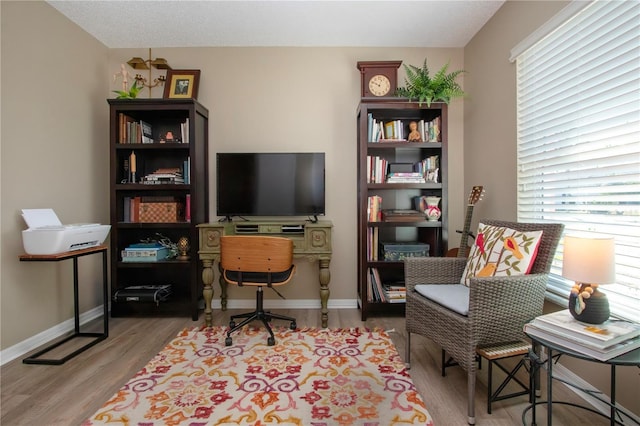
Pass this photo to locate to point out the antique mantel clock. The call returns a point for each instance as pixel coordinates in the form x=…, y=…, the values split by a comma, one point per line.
x=379, y=78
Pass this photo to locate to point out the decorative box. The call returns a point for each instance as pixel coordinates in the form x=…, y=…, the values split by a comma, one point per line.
x=160, y=212
x=398, y=251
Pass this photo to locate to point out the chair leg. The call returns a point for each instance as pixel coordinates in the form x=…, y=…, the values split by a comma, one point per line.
x=270, y=315
x=258, y=314
x=272, y=339
x=471, y=396
x=407, y=354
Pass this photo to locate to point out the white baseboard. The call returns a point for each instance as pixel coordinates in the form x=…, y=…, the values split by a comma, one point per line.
x=26, y=346
x=48, y=335
x=286, y=304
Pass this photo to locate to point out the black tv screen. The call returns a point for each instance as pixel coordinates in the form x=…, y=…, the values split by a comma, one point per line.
x=270, y=184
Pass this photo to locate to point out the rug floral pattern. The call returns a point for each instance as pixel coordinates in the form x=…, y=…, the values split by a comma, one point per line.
x=311, y=377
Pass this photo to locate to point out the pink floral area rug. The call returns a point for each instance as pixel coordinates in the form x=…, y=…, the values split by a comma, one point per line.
x=311, y=377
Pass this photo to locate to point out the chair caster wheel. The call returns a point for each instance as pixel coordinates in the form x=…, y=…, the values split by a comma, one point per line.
x=228, y=341
x=232, y=324
x=271, y=341
x=293, y=326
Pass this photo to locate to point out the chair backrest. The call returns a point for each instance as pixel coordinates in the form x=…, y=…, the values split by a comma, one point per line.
x=249, y=253
x=551, y=234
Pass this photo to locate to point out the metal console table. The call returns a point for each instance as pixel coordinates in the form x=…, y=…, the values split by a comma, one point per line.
x=554, y=350
x=98, y=337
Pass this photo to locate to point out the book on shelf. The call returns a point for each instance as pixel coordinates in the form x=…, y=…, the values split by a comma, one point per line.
x=600, y=354
x=145, y=254
x=140, y=246
x=184, y=130
x=402, y=215
x=145, y=132
x=395, y=178
x=377, y=294
x=372, y=244
x=374, y=208
x=164, y=176
x=187, y=208
x=599, y=336
x=395, y=293
x=376, y=169
x=186, y=170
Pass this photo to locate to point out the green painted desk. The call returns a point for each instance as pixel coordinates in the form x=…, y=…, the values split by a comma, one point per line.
x=310, y=240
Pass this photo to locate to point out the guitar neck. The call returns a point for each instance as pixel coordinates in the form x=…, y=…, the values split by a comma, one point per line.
x=464, y=241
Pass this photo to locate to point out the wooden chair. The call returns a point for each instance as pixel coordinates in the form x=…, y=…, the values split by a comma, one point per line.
x=496, y=308
x=257, y=261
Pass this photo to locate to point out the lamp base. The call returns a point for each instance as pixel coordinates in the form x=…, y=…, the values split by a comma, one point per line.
x=596, y=310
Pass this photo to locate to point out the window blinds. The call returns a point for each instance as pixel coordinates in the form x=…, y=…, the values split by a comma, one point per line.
x=578, y=93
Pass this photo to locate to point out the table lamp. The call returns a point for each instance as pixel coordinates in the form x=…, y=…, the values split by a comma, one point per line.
x=589, y=262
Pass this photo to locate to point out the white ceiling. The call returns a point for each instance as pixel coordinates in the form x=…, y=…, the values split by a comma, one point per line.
x=209, y=23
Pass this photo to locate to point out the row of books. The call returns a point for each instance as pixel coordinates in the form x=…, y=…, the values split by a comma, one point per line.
x=375, y=212
x=131, y=131
x=425, y=170
x=165, y=176
x=377, y=291
x=397, y=130
x=372, y=244
x=600, y=341
x=146, y=252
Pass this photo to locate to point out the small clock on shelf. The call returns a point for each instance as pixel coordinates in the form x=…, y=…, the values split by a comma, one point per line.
x=378, y=78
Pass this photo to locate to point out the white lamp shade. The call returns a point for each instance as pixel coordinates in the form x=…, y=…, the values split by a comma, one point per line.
x=589, y=260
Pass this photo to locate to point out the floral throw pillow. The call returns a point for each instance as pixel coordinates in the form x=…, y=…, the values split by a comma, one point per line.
x=500, y=251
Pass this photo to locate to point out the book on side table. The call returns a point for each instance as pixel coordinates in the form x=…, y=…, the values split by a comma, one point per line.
x=600, y=341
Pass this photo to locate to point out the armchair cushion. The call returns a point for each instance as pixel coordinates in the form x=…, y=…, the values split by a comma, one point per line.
x=501, y=251
x=451, y=296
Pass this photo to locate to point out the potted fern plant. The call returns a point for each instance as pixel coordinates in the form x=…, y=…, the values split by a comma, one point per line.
x=421, y=87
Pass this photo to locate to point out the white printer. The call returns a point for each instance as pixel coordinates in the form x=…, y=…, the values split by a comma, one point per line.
x=47, y=235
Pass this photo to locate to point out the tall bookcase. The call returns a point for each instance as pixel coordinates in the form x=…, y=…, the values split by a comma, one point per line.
x=401, y=233
x=151, y=205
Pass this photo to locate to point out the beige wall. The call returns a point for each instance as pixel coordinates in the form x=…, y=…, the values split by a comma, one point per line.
x=54, y=155
x=490, y=144
x=490, y=110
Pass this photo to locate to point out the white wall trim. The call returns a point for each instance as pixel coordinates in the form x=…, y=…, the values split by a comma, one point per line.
x=548, y=27
x=286, y=304
x=48, y=335
x=34, y=342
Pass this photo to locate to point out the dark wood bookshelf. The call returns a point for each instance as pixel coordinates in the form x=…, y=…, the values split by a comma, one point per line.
x=397, y=195
x=164, y=115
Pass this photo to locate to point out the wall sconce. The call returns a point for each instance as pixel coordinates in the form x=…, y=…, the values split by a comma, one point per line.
x=589, y=262
x=138, y=63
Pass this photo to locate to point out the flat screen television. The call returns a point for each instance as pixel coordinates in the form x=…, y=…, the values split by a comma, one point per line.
x=270, y=184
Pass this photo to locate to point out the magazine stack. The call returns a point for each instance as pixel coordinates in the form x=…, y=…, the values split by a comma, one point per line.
x=600, y=341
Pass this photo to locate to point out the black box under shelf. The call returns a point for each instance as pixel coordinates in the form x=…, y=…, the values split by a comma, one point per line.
x=143, y=293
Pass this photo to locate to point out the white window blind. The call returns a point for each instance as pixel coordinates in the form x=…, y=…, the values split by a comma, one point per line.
x=578, y=92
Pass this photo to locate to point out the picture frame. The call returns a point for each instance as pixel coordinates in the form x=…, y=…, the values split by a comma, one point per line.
x=181, y=84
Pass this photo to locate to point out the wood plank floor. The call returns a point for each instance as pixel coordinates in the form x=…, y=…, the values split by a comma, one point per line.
x=70, y=393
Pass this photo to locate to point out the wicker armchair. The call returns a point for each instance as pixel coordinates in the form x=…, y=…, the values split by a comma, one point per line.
x=498, y=306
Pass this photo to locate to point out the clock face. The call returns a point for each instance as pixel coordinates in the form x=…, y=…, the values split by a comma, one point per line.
x=379, y=85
